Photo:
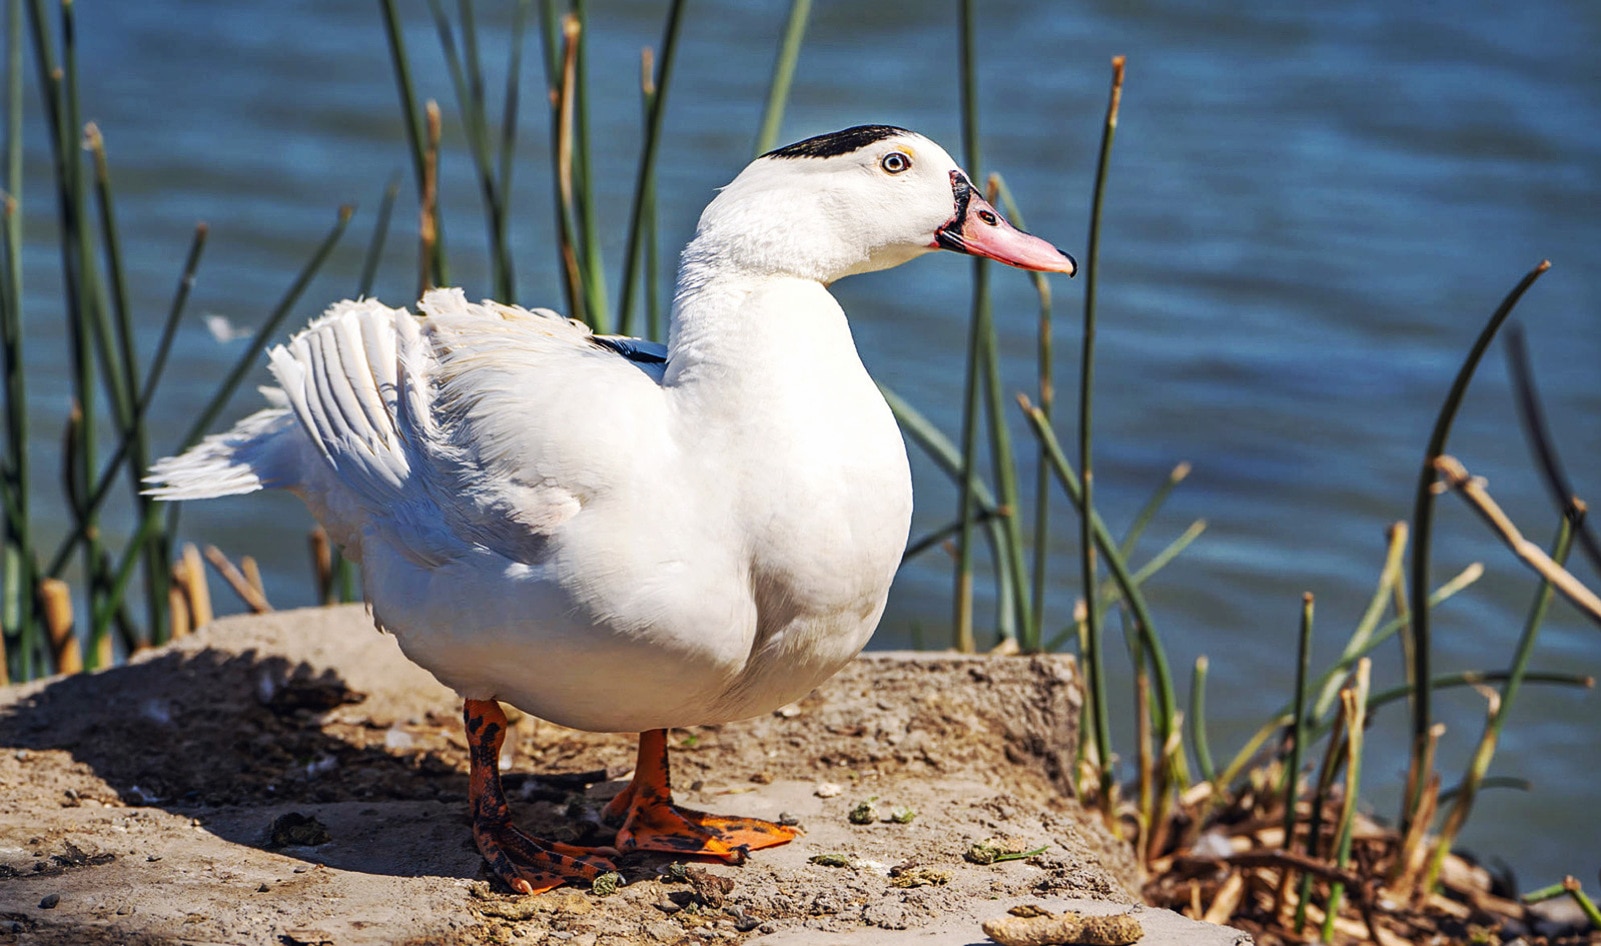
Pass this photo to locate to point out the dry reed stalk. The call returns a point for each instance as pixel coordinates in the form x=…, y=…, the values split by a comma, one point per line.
x=247, y=564
x=178, y=606
x=428, y=219
x=55, y=600
x=198, y=590
x=1472, y=490
x=253, y=599
x=1227, y=900
x=563, y=101
x=1413, y=856
x=322, y=564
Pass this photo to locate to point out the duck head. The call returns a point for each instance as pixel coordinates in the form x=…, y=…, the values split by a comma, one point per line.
x=855, y=201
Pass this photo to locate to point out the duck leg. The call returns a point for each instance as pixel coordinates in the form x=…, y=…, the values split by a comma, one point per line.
x=526, y=863
x=651, y=822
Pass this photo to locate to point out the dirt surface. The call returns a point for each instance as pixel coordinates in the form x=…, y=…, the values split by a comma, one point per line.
x=146, y=804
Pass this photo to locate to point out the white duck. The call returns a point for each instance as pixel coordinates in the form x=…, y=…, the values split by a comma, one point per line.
x=613, y=535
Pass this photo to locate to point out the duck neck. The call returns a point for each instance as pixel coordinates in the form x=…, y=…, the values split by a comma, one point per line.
x=730, y=322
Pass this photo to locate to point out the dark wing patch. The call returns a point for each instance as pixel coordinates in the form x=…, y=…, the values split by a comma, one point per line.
x=836, y=143
x=637, y=350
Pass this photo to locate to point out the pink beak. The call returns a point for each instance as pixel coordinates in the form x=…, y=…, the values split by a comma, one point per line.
x=977, y=229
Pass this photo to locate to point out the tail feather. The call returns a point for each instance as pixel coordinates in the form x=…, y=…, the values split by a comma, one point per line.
x=255, y=454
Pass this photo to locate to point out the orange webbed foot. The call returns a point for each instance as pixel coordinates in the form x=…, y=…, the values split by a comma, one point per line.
x=523, y=862
x=649, y=821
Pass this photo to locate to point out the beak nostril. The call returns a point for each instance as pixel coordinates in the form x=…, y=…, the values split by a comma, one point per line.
x=988, y=217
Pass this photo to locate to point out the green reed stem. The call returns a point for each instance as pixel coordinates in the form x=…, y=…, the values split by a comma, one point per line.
x=966, y=507
x=511, y=100
x=647, y=166
x=1284, y=716
x=561, y=70
x=466, y=77
x=1355, y=702
x=1152, y=506
x=16, y=607
x=1571, y=887
x=1094, y=666
x=920, y=545
x=1358, y=643
x=1489, y=782
x=1474, y=678
x=783, y=75
x=1166, y=701
x=414, y=132
x=380, y=233
x=150, y=523
x=1197, y=724
x=1045, y=367
x=1299, y=727
x=135, y=440
x=1462, y=805
x=655, y=323
x=158, y=363
x=594, y=267
x=269, y=330
x=922, y=432
x=1333, y=759
x=1423, y=528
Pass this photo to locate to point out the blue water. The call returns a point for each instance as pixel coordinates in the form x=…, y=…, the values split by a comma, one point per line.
x=1311, y=212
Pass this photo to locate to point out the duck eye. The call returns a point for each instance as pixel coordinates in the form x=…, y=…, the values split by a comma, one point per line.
x=895, y=162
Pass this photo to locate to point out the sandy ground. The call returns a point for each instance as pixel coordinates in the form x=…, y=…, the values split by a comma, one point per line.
x=145, y=804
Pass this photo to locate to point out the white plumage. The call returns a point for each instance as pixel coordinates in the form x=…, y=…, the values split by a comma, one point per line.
x=606, y=535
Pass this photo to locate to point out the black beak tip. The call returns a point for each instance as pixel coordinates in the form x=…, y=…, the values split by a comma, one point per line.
x=1070, y=259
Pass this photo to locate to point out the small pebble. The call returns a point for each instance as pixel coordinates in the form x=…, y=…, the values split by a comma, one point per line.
x=788, y=820
x=50, y=901
x=827, y=790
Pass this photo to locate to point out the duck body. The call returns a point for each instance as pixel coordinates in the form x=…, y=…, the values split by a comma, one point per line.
x=612, y=534
x=638, y=552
